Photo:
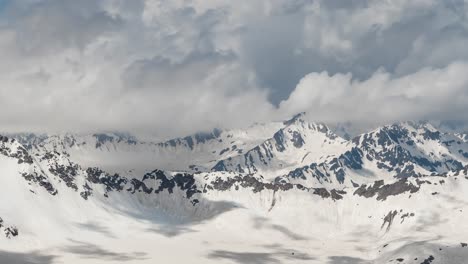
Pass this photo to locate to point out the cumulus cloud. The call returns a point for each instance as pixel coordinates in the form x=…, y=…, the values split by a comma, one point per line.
x=175, y=67
x=426, y=94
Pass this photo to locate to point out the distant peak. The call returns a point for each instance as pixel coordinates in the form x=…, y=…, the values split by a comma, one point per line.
x=420, y=124
x=298, y=117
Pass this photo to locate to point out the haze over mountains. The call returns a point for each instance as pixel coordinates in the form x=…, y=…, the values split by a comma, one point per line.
x=294, y=191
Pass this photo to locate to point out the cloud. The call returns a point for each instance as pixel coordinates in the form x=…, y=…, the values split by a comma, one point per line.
x=358, y=37
x=50, y=26
x=175, y=67
x=426, y=94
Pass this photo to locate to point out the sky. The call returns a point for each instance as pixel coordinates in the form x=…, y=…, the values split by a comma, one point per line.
x=175, y=67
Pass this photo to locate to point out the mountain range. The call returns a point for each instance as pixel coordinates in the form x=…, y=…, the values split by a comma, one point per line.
x=292, y=191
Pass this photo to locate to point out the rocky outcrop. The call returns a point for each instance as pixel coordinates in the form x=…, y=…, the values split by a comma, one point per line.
x=383, y=190
x=428, y=260
x=256, y=184
x=183, y=181
x=7, y=148
x=40, y=180
x=388, y=219
x=9, y=231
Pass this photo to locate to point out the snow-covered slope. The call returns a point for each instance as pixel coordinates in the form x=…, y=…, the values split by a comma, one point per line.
x=396, y=194
x=120, y=153
x=401, y=150
x=297, y=143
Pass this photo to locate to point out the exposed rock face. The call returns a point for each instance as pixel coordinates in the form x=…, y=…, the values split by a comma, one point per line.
x=9, y=231
x=247, y=181
x=297, y=140
x=182, y=181
x=7, y=148
x=111, y=182
x=86, y=192
x=384, y=190
x=388, y=219
x=406, y=215
x=462, y=172
x=392, y=215
x=139, y=186
x=60, y=165
x=331, y=170
x=66, y=173
x=337, y=194
x=322, y=192
x=257, y=185
x=428, y=260
x=41, y=180
x=396, y=148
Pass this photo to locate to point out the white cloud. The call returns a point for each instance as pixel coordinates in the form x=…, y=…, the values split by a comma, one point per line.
x=426, y=94
x=175, y=67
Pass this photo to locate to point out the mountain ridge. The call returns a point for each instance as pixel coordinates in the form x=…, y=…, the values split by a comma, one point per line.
x=379, y=181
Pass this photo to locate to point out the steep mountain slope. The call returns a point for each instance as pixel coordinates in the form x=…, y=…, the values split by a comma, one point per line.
x=400, y=150
x=298, y=143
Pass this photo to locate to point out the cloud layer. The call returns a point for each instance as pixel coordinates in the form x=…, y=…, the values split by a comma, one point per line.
x=175, y=67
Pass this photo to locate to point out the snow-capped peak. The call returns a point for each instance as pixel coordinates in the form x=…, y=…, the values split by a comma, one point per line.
x=299, y=142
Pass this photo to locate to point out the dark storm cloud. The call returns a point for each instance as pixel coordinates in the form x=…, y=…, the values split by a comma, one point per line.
x=48, y=26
